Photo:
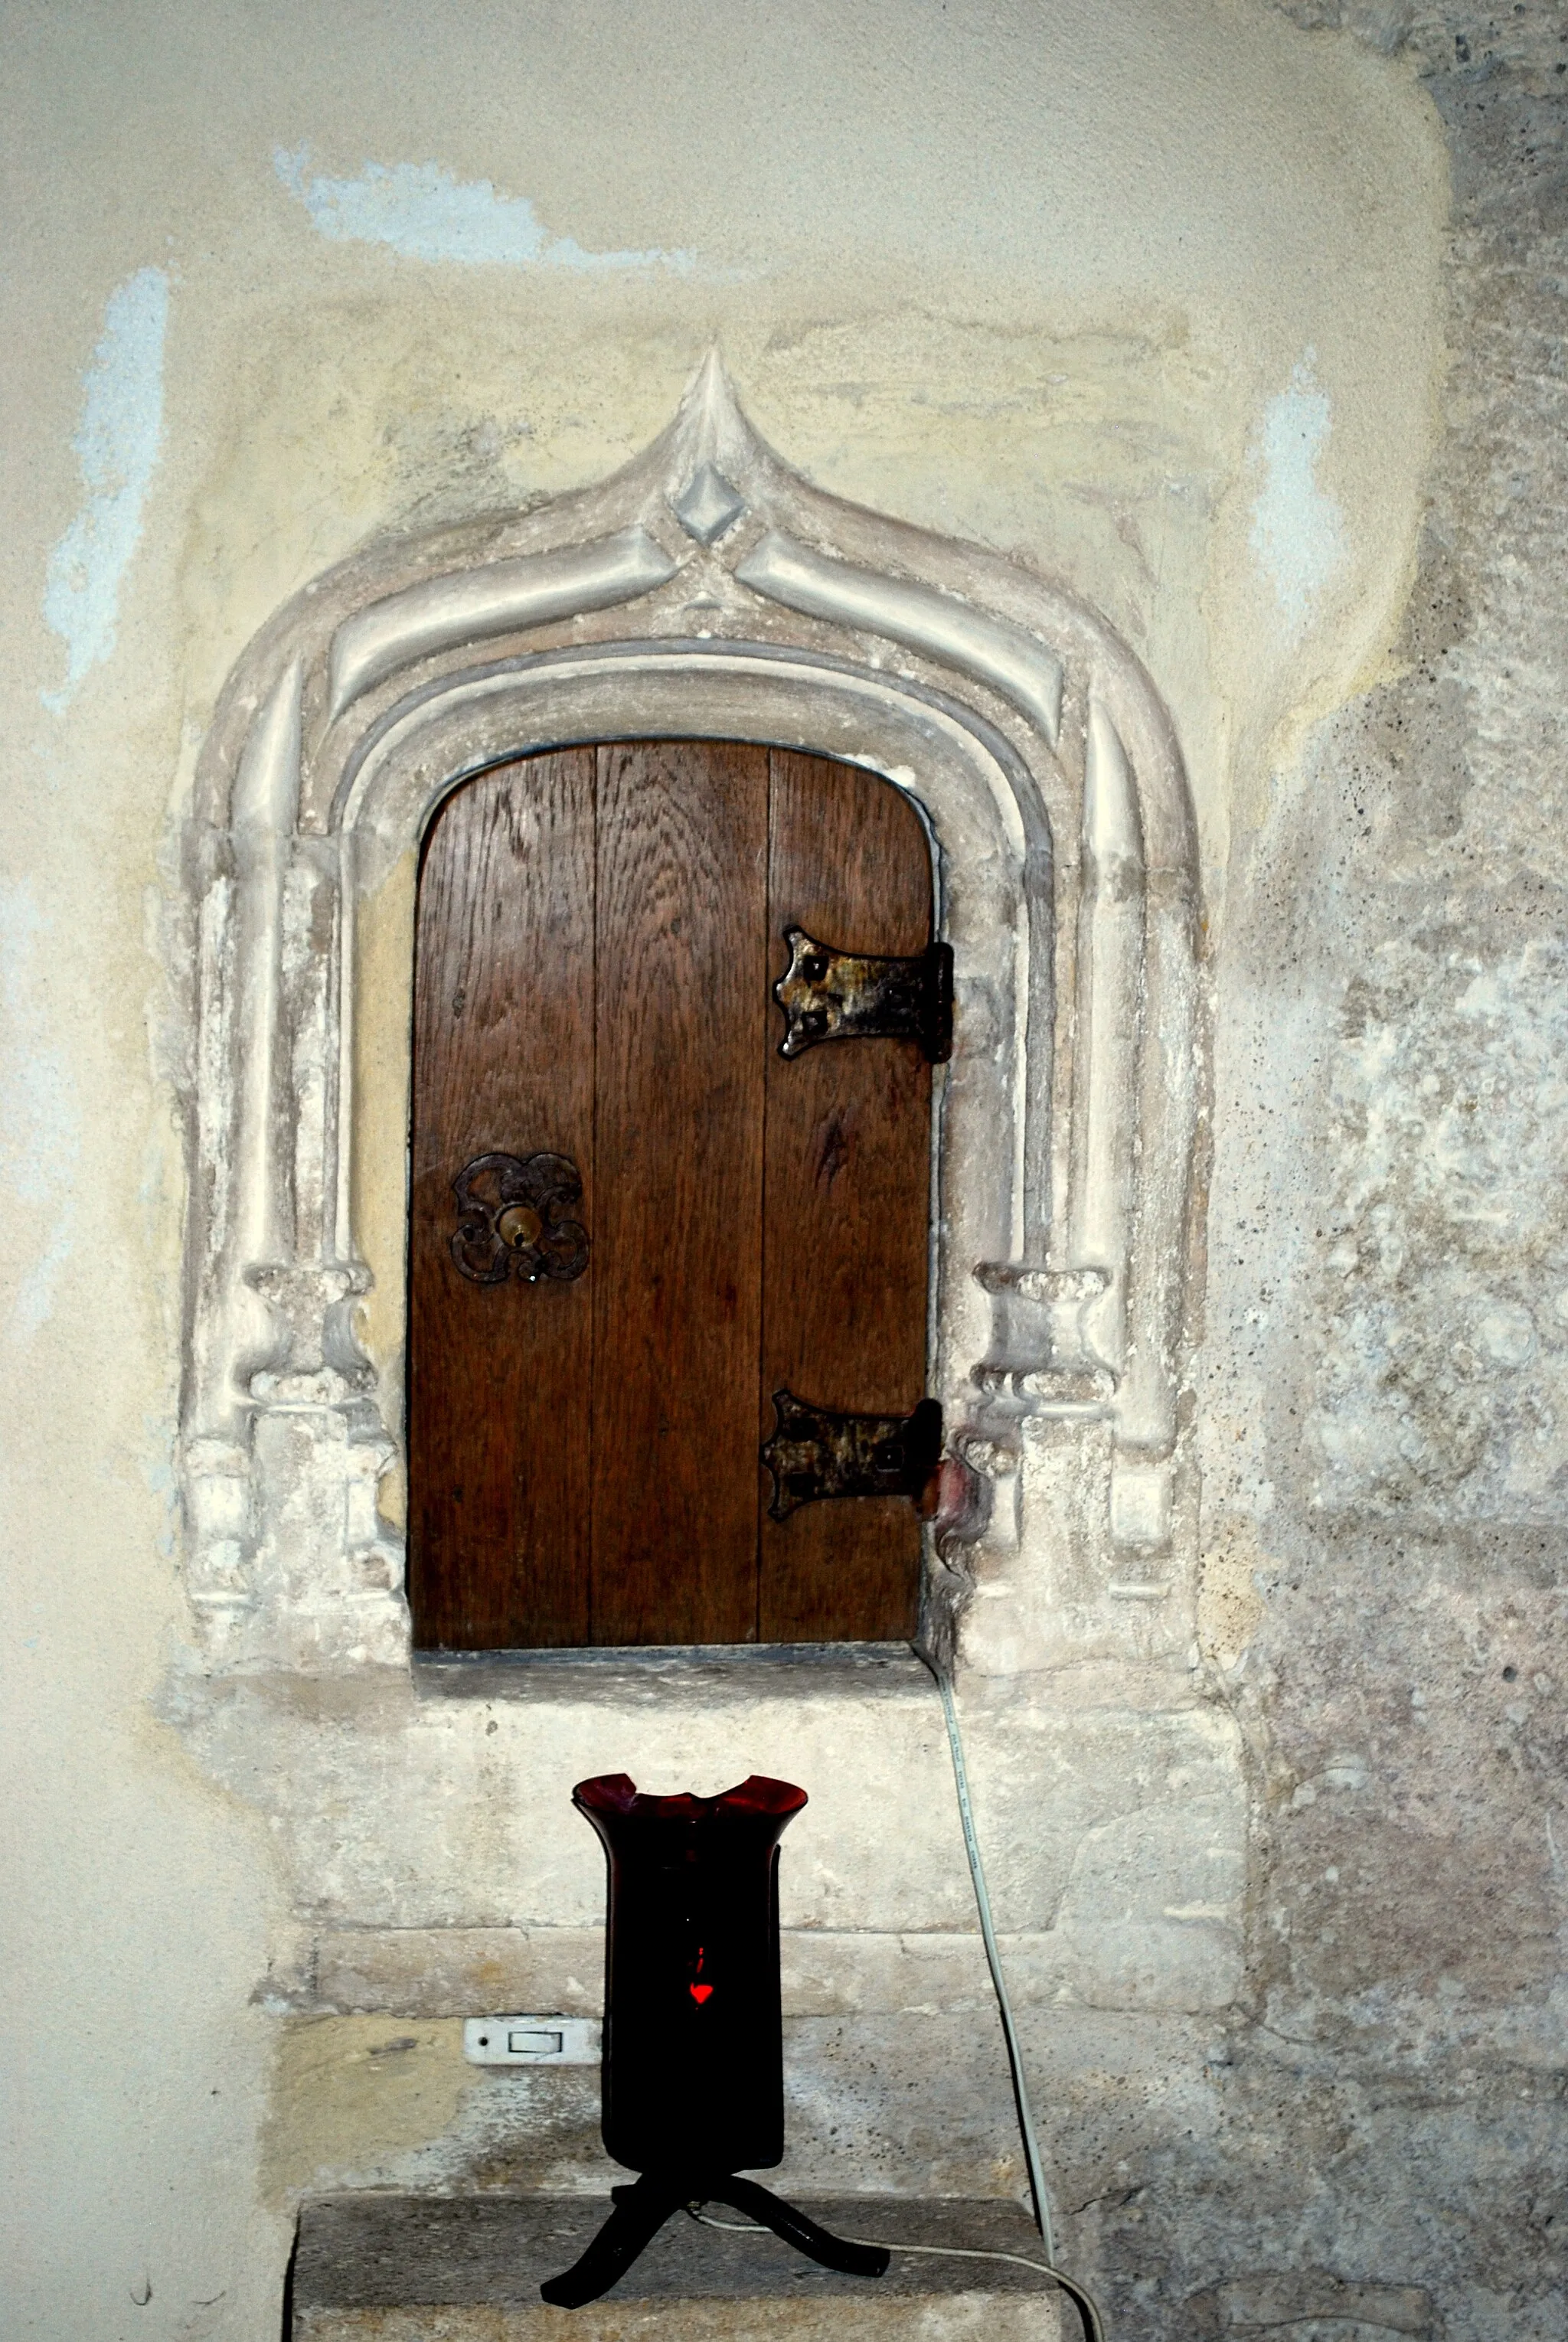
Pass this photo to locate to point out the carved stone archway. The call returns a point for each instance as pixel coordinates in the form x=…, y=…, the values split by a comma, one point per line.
x=708, y=590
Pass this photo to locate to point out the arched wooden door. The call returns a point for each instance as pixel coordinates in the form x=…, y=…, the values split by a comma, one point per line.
x=595, y=1342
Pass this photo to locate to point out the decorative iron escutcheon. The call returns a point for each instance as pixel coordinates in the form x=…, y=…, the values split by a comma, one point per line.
x=836, y=995
x=509, y=1219
x=815, y=1453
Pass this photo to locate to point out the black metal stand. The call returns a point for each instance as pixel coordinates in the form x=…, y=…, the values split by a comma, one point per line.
x=642, y=2210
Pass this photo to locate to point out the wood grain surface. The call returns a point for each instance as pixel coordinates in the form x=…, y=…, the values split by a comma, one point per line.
x=498, y=1375
x=683, y=995
x=847, y=1194
x=597, y=935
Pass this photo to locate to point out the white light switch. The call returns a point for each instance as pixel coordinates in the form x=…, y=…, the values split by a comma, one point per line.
x=531, y=2040
x=535, y=2043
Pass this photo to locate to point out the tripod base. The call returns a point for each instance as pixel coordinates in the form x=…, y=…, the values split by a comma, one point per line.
x=642, y=2210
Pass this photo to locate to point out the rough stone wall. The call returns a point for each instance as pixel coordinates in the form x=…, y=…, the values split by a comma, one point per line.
x=1386, y=1397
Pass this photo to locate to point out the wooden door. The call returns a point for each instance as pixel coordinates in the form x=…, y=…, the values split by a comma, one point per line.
x=599, y=932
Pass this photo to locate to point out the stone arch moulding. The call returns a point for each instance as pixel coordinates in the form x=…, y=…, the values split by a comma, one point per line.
x=707, y=589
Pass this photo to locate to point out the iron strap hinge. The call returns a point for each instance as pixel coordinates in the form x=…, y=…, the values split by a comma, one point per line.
x=816, y=1453
x=838, y=995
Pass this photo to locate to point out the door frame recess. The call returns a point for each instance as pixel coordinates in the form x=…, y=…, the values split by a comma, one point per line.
x=709, y=591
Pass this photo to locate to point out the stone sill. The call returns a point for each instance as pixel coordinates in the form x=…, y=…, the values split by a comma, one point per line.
x=403, y=2268
x=717, y=1673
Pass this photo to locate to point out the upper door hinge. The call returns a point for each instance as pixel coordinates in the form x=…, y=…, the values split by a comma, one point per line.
x=838, y=995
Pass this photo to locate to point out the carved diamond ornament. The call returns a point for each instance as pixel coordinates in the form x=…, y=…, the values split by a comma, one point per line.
x=708, y=504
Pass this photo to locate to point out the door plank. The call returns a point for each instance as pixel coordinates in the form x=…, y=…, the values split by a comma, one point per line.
x=847, y=1200
x=682, y=993
x=500, y=1376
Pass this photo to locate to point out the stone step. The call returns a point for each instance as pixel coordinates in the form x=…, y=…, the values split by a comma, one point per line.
x=468, y=2268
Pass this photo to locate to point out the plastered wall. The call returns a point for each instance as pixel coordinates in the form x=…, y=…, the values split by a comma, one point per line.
x=1235, y=319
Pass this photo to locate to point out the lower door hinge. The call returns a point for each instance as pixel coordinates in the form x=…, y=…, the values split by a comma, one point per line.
x=816, y=1453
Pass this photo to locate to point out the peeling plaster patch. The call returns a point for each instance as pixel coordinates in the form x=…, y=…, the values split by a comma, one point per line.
x=1298, y=529
x=340, y=2081
x=426, y=214
x=117, y=443
x=40, y=1116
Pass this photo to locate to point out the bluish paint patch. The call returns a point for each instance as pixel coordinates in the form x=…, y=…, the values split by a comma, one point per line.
x=117, y=444
x=1298, y=529
x=424, y=212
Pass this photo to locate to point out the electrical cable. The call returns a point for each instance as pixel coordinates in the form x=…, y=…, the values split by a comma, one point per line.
x=1082, y=2299
x=1087, y=2308
x=994, y=1961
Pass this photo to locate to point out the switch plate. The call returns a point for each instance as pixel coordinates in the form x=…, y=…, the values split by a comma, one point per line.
x=531, y=2040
